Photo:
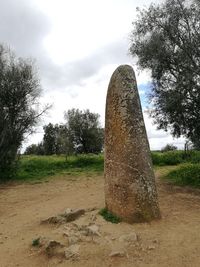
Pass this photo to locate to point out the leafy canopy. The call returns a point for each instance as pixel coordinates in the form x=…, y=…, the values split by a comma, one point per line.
x=19, y=106
x=84, y=131
x=166, y=40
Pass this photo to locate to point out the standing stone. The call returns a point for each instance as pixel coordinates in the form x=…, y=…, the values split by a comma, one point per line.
x=130, y=190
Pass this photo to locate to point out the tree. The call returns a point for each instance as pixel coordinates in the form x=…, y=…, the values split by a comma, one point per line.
x=169, y=147
x=55, y=139
x=19, y=107
x=84, y=131
x=49, y=139
x=35, y=149
x=166, y=40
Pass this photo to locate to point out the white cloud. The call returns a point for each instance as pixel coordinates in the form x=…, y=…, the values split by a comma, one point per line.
x=77, y=45
x=160, y=138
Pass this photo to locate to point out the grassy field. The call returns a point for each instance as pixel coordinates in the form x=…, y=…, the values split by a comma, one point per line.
x=34, y=168
x=38, y=167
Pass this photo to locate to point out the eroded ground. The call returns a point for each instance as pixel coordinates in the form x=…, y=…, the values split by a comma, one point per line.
x=173, y=241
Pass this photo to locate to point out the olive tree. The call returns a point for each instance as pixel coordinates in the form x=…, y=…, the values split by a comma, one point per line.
x=19, y=106
x=84, y=132
x=166, y=40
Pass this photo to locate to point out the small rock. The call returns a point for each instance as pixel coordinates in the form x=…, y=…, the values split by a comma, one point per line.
x=73, y=239
x=54, y=220
x=155, y=241
x=93, y=230
x=72, y=252
x=151, y=247
x=54, y=248
x=68, y=216
x=132, y=237
x=91, y=209
x=117, y=253
x=72, y=215
x=93, y=217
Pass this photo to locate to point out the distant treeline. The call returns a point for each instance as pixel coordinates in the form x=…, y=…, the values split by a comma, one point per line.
x=82, y=133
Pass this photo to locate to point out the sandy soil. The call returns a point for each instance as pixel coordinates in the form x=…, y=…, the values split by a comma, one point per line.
x=173, y=241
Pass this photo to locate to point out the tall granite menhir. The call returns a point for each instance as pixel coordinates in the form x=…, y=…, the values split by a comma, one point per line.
x=130, y=190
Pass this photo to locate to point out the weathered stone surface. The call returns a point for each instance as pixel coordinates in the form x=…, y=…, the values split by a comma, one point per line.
x=90, y=230
x=130, y=190
x=69, y=215
x=118, y=253
x=72, y=215
x=72, y=252
x=54, y=248
x=129, y=238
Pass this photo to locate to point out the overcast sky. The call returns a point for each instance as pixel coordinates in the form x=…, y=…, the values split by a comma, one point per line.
x=77, y=44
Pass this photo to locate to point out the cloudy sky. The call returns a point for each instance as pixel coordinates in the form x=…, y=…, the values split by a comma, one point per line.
x=77, y=44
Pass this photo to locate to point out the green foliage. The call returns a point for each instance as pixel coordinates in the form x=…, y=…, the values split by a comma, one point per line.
x=108, y=216
x=36, y=242
x=19, y=107
x=81, y=134
x=35, y=149
x=84, y=131
x=167, y=158
x=175, y=157
x=166, y=39
x=55, y=139
x=38, y=167
x=169, y=147
x=186, y=174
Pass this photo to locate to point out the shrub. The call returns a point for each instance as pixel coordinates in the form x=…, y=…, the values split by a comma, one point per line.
x=108, y=216
x=186, y=174
x=175, y=157
x=167, y=158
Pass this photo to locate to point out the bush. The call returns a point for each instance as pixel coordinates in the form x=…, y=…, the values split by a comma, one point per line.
x=175, y=157
x=167, y=158
x=108, y=216
x=187, y=174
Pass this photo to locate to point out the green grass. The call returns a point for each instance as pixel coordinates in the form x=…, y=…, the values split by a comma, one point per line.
x=185, y=175
x=108, y=216
x=37, y=167
x=175, y=157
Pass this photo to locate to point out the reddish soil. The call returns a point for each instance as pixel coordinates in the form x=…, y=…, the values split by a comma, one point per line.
x=173, y=241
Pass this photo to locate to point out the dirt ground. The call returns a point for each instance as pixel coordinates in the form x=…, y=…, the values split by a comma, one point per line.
x=173, y=241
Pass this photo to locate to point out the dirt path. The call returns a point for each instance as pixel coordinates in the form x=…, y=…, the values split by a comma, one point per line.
x=173, y=241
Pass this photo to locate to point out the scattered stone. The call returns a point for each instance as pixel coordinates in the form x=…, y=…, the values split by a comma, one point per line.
x=74, y=239
x=72, y=215
x=93, y=217
x=91, y=209
x=72, y=252
x=91, y=230
x=54, y=248
x=132, y=237
x=130, y=190
x=54, y=220
x=155, y=241
x=151, y=247
x=118, y=253
x=68, y=216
